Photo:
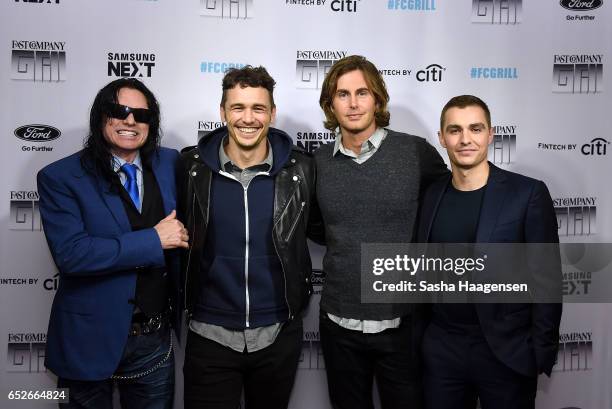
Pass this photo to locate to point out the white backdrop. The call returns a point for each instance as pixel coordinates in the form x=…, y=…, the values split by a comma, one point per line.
x=540, y=65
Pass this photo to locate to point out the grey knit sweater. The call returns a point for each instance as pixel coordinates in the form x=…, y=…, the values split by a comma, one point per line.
x=373, y=202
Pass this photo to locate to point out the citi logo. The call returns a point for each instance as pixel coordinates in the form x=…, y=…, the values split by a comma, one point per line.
x=431, y=73
x=344, y=5
x=597, y=146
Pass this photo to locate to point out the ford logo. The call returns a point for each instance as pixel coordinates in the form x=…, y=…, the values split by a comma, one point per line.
x=581, y=5
x=37, y=133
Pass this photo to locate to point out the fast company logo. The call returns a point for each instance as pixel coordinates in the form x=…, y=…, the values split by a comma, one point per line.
x=26, y=352
x=577, y=73
x=227, y=9
x=312, y=65
x=497, y=11
x=43, y=61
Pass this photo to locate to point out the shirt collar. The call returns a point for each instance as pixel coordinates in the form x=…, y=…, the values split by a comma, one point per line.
x=118, y=162
x=224, y=159
x=375, y=140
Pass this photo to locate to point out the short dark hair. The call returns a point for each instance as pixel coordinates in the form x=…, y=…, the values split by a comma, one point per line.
x=97, y=150
x=462, y=101
x=372, y=77
x=248, y=76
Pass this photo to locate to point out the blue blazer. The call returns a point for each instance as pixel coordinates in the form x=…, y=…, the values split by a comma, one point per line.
x=98, y=257
x=515, y=209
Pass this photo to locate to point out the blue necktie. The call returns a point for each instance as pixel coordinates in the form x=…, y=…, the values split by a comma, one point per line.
x=131, y=185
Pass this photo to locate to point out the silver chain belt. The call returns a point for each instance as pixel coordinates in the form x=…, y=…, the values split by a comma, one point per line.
x=150, y=370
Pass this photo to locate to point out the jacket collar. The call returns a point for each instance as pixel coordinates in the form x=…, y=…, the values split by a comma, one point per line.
x=209, y=148
x=492, y=202
x=113, y=200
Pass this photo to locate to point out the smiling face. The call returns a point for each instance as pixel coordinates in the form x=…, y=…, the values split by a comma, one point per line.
x=248, y=112
x=126, y=136
x=354, y=105
x=466, y=137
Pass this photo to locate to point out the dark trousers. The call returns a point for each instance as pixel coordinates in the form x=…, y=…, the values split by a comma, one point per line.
x=155, y=390
x=216, y=375
x=353, y=359
x=461, y=368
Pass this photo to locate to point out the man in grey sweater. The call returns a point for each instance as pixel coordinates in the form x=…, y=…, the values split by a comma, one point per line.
x=368, y=186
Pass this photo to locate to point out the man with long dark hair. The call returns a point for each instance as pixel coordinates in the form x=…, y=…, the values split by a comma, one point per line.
x=109, y=219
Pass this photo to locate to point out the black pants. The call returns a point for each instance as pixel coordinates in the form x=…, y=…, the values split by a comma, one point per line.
x=215, y=375
x=353, y=359
x=459, y=368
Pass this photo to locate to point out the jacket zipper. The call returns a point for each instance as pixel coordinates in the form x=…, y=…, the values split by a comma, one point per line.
x=295, y=222
x=246, y=256
x=193, y=236
x=246, y=245
x=289, y=315
x=188, y=313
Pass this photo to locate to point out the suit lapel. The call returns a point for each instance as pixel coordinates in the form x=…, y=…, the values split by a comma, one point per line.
x=492, y=203
x=114, y=204
x=111, y=199
x=165, y=183
x=430, y=210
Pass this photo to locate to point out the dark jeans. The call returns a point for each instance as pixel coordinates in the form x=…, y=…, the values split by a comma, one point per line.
x=215, y=375
x=152, y=391
x=353, y=359
x=460, y=368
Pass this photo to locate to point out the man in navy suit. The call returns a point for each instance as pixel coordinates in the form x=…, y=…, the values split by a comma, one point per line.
x=109, y=219
x=491, y=352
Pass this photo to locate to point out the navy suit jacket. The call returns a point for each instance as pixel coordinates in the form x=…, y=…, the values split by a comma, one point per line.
x=515, y=209
x=98, y=257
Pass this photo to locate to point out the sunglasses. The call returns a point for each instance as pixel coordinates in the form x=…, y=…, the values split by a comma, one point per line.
x=118, y=111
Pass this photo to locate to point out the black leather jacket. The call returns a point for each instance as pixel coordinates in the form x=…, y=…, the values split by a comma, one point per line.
x=296, y=215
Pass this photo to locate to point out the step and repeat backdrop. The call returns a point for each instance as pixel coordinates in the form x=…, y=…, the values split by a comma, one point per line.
x=542, y=66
